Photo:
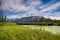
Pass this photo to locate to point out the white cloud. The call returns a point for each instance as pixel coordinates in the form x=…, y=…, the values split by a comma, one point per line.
x=35, y=3
x=56, y=16
x=13, y=16
x=16, y=5
x=13, y=5
x=51, y=7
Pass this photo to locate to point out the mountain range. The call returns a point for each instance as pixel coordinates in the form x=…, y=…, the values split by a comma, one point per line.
x=27, y=19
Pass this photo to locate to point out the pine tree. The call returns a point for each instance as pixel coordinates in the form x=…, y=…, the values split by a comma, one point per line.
x=5, y=18
x=0, y=14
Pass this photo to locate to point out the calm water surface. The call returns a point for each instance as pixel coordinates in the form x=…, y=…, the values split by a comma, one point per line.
x=53, y=29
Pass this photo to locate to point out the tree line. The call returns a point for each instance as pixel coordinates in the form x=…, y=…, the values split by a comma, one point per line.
x=42, y=21
x=2, y=17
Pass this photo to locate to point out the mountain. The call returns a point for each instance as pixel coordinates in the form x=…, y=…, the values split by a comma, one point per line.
x=27, y=19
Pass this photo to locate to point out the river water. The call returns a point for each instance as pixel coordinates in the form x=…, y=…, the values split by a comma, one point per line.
x=53, y=29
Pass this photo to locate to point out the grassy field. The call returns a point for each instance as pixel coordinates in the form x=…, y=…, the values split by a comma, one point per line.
x=11, y=31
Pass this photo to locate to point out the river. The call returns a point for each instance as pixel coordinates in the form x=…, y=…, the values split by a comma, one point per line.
x=53, y=29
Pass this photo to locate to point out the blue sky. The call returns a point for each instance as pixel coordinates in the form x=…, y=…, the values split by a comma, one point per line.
x=25, y=8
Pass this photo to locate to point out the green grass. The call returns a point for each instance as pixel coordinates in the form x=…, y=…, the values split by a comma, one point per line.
x=11, y=31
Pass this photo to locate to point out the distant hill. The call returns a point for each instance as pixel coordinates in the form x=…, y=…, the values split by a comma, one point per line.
x=28, y=19
x=35, y=20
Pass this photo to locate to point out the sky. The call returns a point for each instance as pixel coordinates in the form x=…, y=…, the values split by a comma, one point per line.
x=26, y=8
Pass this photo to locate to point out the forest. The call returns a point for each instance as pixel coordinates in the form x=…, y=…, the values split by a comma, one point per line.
x=42, y=21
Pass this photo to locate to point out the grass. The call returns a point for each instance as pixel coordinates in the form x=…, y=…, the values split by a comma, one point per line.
x=11, y=31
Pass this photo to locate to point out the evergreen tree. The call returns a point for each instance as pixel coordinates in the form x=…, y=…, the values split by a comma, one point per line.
x=5, y=18
x=0, y=14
